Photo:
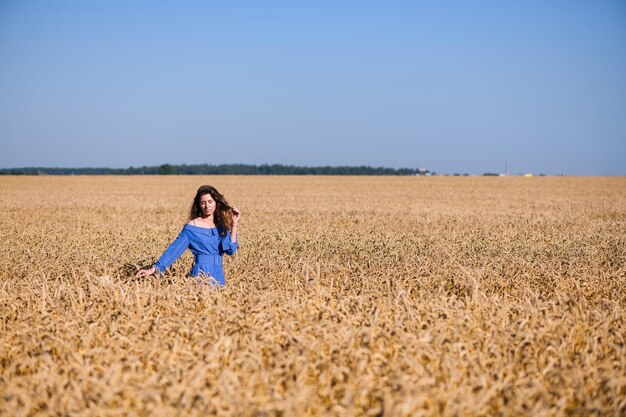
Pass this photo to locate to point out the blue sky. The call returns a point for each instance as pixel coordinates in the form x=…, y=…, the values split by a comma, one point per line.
x=447, y=86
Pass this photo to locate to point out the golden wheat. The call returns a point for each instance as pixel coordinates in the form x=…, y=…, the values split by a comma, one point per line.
x=348, y=296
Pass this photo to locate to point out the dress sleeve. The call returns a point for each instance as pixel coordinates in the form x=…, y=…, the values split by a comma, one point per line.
x=228, y=247
x=173, y=252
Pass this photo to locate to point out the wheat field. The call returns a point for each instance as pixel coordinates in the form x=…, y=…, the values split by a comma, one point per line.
x=349, y=296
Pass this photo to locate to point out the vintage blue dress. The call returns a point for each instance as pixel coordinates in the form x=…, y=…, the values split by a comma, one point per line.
x=207, y=247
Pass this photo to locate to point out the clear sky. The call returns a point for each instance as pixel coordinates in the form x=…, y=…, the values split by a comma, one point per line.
x=450, y=86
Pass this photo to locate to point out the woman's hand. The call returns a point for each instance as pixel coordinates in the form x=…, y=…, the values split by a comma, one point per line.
x=145, y=272
x=236, y=216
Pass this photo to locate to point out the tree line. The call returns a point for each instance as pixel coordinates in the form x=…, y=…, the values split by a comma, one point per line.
x=223, y=169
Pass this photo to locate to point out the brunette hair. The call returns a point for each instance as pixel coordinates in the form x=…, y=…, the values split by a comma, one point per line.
x=223, y=215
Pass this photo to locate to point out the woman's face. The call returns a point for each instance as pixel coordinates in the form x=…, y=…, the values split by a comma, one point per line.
x=207, y=205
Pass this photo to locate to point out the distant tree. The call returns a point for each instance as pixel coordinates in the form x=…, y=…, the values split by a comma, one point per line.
x=167, y=169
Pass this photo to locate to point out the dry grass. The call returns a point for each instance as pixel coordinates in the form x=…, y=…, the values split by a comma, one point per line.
x=349, y=296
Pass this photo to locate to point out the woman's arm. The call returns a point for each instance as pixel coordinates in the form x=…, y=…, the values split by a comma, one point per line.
x=173, y=252
x=233, y=232
x=228, y=242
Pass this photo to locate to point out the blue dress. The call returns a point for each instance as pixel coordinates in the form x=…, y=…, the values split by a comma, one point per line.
x=207, y=247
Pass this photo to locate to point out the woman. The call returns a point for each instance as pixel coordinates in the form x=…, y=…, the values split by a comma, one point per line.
x=210, y=233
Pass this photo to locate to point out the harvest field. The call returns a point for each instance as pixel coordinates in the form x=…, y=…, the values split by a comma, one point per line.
x=379, y=296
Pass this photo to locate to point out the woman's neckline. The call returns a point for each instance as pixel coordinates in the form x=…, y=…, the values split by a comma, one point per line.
x=201, y=227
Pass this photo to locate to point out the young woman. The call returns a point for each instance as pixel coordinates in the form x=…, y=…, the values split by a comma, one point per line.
x=210, y=233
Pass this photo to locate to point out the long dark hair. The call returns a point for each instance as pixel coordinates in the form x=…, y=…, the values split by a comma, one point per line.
x=223, y=215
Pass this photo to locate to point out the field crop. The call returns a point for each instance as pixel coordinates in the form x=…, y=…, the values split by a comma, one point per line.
x=370, y=296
